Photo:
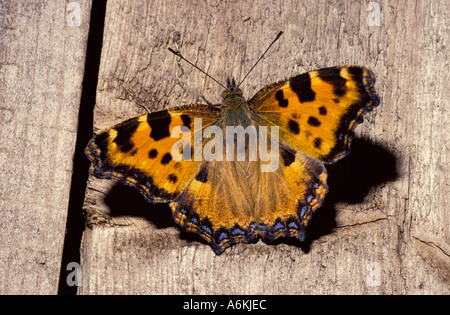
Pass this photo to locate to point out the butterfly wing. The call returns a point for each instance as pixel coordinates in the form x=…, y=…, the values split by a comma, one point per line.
x=217, y=205
x=138, y=152
x=318, y=111
x=289, y=196
x=231, y=201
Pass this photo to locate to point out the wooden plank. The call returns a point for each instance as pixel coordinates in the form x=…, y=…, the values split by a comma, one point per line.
x=384, y=226
x=42, y=50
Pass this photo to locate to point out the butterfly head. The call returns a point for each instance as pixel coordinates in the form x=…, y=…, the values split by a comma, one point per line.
x=233, y=94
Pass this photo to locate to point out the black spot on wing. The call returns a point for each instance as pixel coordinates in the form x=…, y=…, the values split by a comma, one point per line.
x=279, y=96
x=153, y=153
x=186, y=121
x=159, y=122
x=287, y=157
x=333, y=77
x=124, y=134
x=166, y=159
x=294, y=127
x=356, y=72
x=202, y=175
x=313, y=121
x=301, y=85
x=317, y=142
x=172, y=178
x=323, y=110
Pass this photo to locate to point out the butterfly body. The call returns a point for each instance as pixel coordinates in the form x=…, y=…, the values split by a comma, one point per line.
x=235, y=110
x=232, y=187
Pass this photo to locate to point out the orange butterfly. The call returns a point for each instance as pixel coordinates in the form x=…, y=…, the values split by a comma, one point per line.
x=309, y=119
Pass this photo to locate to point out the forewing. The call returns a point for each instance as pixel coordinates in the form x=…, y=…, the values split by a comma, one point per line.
x=318, y=111
x=137, y=152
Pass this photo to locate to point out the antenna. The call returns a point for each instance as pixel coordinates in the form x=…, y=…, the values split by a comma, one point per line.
x=177, y=53
x=273, y=42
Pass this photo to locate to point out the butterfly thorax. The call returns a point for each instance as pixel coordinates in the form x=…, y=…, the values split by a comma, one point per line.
x=234, y=106
x=235, y=111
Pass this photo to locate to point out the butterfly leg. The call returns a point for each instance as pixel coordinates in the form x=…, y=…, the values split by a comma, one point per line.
x=209, y=103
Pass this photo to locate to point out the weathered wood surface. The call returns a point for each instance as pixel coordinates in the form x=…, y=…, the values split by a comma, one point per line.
x=384, y=226
x=42, y=55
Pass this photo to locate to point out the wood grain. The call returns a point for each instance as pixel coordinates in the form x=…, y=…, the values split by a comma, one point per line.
x=384, y=226
x=42, y=54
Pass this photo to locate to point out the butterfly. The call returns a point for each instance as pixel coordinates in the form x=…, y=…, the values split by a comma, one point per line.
x=307, y=120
